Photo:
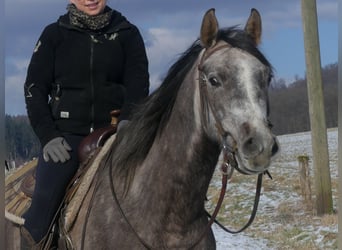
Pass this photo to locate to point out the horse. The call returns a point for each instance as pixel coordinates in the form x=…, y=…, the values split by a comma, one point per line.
x=151, y=187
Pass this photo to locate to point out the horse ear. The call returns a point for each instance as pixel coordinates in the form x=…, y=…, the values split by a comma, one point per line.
x=209, y=29
x=253, y=26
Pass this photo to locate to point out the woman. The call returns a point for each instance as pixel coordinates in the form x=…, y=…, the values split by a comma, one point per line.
x=89, y=62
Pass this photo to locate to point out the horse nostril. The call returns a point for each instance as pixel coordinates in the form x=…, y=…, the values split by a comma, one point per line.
x=251, y=147
x=275, y=147
x=246, y=129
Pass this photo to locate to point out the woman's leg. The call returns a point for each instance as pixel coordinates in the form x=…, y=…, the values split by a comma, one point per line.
x=51, y=182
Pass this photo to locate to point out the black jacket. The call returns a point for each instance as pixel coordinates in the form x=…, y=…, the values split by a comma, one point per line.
x=76, y=77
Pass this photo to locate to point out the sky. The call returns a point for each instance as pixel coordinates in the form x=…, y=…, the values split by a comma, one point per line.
x=168, y=29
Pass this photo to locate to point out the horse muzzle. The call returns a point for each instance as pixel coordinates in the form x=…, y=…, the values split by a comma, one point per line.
x=255, y=152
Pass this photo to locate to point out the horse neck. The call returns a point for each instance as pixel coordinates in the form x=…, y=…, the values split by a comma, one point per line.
x=181, y=162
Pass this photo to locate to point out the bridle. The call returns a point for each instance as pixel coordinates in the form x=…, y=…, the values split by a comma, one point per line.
x=229, y=161
x=227, y=167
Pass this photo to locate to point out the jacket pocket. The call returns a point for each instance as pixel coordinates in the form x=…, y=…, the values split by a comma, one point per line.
x=69, y=101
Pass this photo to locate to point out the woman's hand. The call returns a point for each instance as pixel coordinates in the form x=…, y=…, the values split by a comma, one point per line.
x=57, y=150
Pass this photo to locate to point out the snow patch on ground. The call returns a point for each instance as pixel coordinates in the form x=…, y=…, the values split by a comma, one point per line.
x=240, y=241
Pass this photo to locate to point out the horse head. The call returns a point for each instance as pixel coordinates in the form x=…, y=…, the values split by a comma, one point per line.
x=234, y=77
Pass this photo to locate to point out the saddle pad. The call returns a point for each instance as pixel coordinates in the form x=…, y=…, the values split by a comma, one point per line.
x=74, y=203
x=17, y=200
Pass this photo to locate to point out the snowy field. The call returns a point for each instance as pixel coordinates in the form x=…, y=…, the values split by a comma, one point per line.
x=284, y=220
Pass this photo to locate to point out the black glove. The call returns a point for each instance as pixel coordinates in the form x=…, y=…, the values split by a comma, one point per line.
x=57, y=150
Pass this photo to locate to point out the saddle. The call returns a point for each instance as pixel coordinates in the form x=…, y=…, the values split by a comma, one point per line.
x=27, y=186
x=87, y=150
x=20, y=185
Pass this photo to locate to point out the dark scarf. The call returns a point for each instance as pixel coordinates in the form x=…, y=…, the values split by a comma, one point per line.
x=84, y=21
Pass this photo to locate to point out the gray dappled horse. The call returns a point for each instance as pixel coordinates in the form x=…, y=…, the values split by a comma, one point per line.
x=151, y=190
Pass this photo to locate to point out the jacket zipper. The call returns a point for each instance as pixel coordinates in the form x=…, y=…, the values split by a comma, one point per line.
x=92, y=87
x=93, y=40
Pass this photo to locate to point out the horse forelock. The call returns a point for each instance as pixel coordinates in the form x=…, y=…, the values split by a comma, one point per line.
x=238, y=38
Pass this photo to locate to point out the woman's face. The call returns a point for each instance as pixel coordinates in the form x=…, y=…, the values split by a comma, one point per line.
x=90, y=7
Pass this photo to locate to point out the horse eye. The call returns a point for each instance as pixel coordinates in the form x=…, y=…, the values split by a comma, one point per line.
x=214, y=82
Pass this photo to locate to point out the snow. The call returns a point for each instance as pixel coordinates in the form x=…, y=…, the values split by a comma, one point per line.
x=240, y=241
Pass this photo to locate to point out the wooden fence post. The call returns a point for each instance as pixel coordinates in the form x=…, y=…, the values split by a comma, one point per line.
x=304, y=175
x=320, y=154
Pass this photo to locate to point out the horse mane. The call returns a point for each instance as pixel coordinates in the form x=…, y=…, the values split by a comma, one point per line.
x=150, y=117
